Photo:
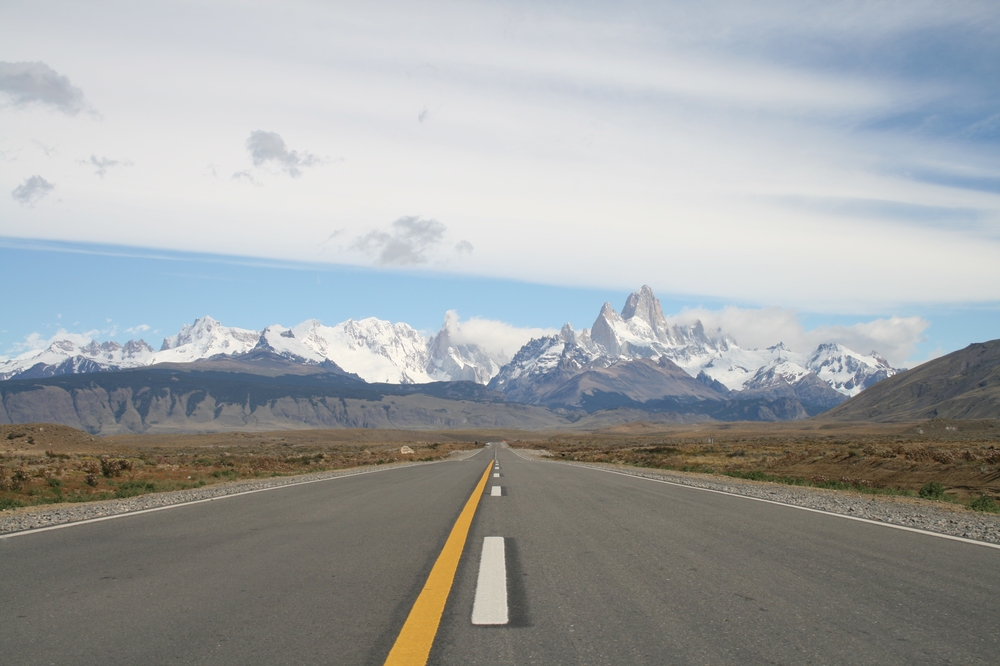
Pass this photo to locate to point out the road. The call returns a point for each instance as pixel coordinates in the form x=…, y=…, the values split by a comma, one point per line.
x=600, y=569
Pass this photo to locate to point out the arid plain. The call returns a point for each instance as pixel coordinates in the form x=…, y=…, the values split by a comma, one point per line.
x=952, y=461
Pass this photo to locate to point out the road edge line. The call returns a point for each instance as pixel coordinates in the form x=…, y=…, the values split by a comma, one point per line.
x=412, y=646
x=125, y=514
x=792, y=506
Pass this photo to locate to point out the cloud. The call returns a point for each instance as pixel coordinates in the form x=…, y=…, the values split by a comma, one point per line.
x=102, y=164
x=32, y=190
x=405, y=244
x=36, y=342
x=246, y=177
x=899, y=211
x=49, y=151
x=896, y=338
x=26, y=83
x=463, y=247
x=134, y=330
x=499, y=339
x=269, y=148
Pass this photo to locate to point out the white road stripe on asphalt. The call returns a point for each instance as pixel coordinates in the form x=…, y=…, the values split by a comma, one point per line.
x=496, y=475
x=495, y=491
x=490, y=606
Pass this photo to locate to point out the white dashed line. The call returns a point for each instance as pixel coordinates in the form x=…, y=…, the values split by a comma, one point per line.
x=496, y=475
x=495, y=491
x=490, y=606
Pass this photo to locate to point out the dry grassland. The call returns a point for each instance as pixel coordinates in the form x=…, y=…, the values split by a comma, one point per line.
x=48, y=464
x=961, y=457
x=957, y=461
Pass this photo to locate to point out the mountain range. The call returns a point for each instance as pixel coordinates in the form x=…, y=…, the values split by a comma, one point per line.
x=964, y=384
x=635, y=359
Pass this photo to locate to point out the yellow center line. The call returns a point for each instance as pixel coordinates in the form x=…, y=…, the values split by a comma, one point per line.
x=413, y=645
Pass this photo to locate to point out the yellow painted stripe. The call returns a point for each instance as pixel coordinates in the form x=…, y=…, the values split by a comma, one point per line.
x=413, y=645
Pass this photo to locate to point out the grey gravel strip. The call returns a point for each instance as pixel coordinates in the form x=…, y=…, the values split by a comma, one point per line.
x=34, y=517
x=919, y=514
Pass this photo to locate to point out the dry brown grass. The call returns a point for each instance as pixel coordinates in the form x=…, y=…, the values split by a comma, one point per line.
x=963, y=456
x=45, y=463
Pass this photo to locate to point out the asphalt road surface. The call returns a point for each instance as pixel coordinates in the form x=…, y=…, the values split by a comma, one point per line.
x=600, y=569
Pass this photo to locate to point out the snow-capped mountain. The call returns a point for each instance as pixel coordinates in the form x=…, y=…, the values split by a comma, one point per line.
x=67, y=357
x=373, y=349
x=380, y=351
x=642, y=331
x=846, y=371
x=203, y=339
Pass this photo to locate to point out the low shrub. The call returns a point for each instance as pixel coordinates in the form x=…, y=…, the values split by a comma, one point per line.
x=984, y=503
x=932, y=490
x=114, y=466
x=133, y=488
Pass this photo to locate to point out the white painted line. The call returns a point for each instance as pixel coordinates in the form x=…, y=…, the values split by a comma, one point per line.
x=495, y=491
x=496, y=475
x=115, y=516
x=794, y=506
x=490, y=606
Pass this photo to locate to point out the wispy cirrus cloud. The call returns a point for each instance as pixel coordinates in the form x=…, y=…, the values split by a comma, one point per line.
x=102, y=164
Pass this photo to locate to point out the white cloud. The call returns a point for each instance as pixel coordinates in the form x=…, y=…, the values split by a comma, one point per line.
x=135, y=330
x=35, y=342
x=32, y=190
x=407, y=242
x=25, y=83
x=499, y=339
x=896, y=338
x=767, y=155
x=269, y=148
x=102, y=164
x=246, y=176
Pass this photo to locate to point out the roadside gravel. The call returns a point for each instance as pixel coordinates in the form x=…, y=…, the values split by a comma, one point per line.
x=912, y=512
x=34, y=517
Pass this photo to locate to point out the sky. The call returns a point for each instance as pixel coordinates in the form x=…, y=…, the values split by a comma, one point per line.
x=796, y=171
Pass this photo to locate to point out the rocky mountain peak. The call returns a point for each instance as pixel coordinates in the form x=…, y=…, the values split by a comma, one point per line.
x=603, y=330
x=644, y=306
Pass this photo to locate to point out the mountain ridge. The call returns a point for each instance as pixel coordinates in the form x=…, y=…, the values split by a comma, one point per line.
x=964, y=384
x=380, y=351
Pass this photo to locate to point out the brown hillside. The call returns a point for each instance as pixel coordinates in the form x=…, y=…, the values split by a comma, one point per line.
x=962, y=385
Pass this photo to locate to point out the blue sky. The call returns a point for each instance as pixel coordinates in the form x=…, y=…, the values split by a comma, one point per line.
x=788, y=170
x=121, y=293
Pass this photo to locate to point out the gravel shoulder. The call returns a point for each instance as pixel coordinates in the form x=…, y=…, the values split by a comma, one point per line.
x=927, y=515
x=916, y=513
x=48, y=515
